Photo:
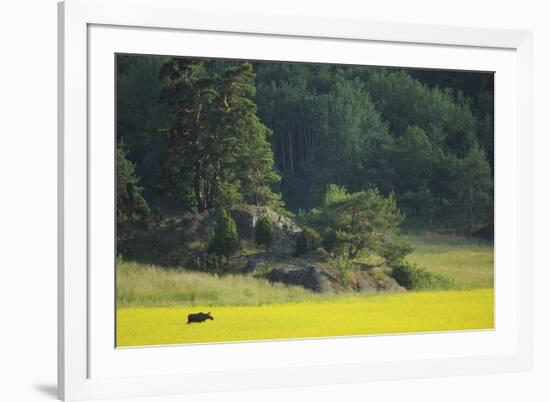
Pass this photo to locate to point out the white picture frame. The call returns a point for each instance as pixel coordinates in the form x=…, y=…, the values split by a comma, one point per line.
x=90, y=32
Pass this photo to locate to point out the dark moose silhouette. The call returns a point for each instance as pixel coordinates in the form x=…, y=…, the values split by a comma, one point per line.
x=199, y=317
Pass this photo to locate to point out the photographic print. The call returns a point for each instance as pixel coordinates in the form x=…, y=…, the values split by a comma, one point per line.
x=262, y=200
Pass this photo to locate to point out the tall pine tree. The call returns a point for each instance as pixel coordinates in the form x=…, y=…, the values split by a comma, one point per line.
x=217, y=144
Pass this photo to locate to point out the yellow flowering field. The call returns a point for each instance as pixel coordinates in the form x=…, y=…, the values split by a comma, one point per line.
x=337, y=316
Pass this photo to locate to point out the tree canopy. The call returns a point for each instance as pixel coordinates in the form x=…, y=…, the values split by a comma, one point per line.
x=351, y=223
x=206, y=133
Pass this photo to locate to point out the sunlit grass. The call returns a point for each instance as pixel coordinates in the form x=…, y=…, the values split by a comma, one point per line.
x=145, y=285
x=336, y=316
x=468, y=262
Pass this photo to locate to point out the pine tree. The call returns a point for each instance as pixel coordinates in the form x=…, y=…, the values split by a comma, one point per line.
x=217, y=145
x=247, y=138
x=356, y=222
x=191, y=94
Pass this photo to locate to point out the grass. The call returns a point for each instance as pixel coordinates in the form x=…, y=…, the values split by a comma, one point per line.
x=336, y=316
x=468, y=262
x=145, y=285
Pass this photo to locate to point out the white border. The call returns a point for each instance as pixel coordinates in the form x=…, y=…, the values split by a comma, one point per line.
x=74, y=378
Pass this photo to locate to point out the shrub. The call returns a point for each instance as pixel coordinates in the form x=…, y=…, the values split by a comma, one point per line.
x=412, y=276
x=395, y=252
x=264, y=231
x=225, y=240
x=307, y=241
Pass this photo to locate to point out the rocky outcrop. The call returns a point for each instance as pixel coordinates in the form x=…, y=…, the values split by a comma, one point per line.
x=255, y=263
x=284, y=228
x=376, y=279
x=322, y=281
x=183, y=241
x=310, y=277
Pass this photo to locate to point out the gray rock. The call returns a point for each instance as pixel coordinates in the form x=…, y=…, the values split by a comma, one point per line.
x=252, y=265
x=376, y=280
x=244, y=220
x=310, y=277
x=238, y=260
x=284, y=228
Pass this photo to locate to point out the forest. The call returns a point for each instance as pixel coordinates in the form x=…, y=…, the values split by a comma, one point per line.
x=201, y=134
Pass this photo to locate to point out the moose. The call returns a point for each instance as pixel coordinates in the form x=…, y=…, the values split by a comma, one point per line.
x=199, y=317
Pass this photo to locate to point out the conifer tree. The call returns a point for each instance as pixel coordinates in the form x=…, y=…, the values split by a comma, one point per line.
x=226, y=240
x=263, y=231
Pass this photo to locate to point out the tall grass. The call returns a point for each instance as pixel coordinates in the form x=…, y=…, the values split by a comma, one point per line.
x=146, y=285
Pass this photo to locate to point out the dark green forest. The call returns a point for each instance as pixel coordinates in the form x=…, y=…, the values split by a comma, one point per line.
x=195, y=135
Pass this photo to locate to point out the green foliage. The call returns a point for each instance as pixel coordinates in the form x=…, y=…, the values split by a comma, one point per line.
x=435, y=139
x=474, y=190
x=414, y=277
x=132, y=209
x=225, y=241
x=263, y=231
x=218, y=148
x=342, y=269
x=358, y=222
x=322, y=121
x=413, y=159
x=395, y=251
x=308, y=240
x=405, y=102
x=141, y=117
x=371, y=127
x=334, y=194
